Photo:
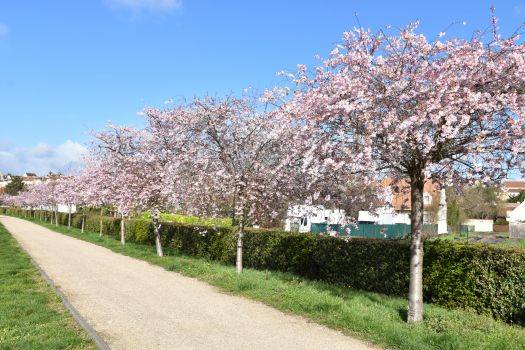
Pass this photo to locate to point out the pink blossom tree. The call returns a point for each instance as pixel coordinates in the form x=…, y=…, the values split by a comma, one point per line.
x=235, y=160
x=96, y=183
x=400, y=105
x=68, y=194
x=139, y=161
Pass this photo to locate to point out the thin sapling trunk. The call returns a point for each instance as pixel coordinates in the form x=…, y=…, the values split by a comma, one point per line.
x=240, y=235
x=69, y=218
x=83, y=220
x=155, y=216
x=101, y=212
x=122, y=230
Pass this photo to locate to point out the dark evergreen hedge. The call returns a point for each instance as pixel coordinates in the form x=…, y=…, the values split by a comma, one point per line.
x=486, y=279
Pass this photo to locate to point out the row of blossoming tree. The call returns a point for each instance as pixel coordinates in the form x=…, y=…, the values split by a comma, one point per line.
x=390, y=103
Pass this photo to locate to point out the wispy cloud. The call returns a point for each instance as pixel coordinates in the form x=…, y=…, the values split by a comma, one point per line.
x=138, y=7
x=4, y=30
x=41, y=158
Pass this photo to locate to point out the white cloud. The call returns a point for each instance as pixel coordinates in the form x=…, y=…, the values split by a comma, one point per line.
x=41, y=158
x=4, y=30
x=145, y=6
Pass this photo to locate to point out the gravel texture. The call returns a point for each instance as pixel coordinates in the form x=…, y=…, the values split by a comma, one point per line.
x=135, y=305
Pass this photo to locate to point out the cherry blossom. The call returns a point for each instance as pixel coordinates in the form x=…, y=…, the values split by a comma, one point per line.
x=398, y=105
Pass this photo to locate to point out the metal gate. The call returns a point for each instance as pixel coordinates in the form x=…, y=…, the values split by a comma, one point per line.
x=517, y=230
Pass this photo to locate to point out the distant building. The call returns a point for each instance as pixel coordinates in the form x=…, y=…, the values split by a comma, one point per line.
x=396, y=209
x=512, y=188
x=300, y=218
x=398, y=205
x=4, y=180
x=517, y=214
x=31, y=179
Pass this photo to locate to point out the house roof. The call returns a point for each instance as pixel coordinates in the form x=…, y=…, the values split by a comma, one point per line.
x=514, y=184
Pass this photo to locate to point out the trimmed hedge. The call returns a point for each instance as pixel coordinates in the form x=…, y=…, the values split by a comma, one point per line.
x=486, y=279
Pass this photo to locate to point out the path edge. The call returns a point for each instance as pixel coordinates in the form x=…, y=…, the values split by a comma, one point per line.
x=82, y=322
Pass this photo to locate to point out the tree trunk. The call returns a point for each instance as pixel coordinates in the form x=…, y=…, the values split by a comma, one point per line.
x=101, y=212
x=234, y=221
x=239, y=246
x=83, y=221
x=69, y=218
x=415, y=293
x=155, y=215
x=56, y=217
x=122, y=231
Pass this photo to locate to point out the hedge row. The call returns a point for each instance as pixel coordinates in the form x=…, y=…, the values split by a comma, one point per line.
x=486, y=279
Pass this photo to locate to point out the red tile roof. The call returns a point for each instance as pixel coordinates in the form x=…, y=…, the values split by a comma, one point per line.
x=514, y=184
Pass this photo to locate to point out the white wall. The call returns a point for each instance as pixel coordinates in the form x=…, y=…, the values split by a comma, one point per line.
x=517, y=214
x=384, y=216
x=442, y=213
x=309, y=214
x=480, y=225
x=62, y=208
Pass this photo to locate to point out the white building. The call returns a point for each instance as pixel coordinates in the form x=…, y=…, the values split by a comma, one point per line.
x=512, y=188
x=517, y=214
x=399, y=210
x=301, y=217
x=383, y=216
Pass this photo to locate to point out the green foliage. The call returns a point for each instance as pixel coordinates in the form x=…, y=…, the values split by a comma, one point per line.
x=14, y=187
x=110, y=225
x=478, y=202
x=138, y=231
x=453, y=213
x=519, y=198
x=192, y=220
x=31, y=315
x=501, y=221
x=486, y=279
x=76, y=220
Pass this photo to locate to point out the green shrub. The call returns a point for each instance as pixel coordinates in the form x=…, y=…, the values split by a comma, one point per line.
x=76, y=221
x=139, y=231
x=110, y=225
x=486, y=279
x=501, y=221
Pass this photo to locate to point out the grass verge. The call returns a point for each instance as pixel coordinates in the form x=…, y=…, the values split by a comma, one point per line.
x=495, y=239
x=31, y=314
x=369, y=316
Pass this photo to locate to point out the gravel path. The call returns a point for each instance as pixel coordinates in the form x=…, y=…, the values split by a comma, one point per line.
x=135, y=305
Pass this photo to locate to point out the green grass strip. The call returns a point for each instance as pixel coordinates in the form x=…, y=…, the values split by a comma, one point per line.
x=31, y=314
x=372, y=317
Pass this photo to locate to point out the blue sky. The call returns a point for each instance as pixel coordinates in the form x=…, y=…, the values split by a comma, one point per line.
x=67, y=67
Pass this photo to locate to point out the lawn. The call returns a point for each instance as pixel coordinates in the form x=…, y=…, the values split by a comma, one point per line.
x=495, y=239
x=369, y=316
x=31, y=314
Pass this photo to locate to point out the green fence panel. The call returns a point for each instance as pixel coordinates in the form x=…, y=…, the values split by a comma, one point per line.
x=464, y=229
x=395, y=231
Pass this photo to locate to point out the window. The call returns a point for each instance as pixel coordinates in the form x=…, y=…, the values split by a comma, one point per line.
x=427, y=198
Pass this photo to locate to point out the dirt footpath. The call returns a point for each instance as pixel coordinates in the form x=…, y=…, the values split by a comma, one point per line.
x=135, y=305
